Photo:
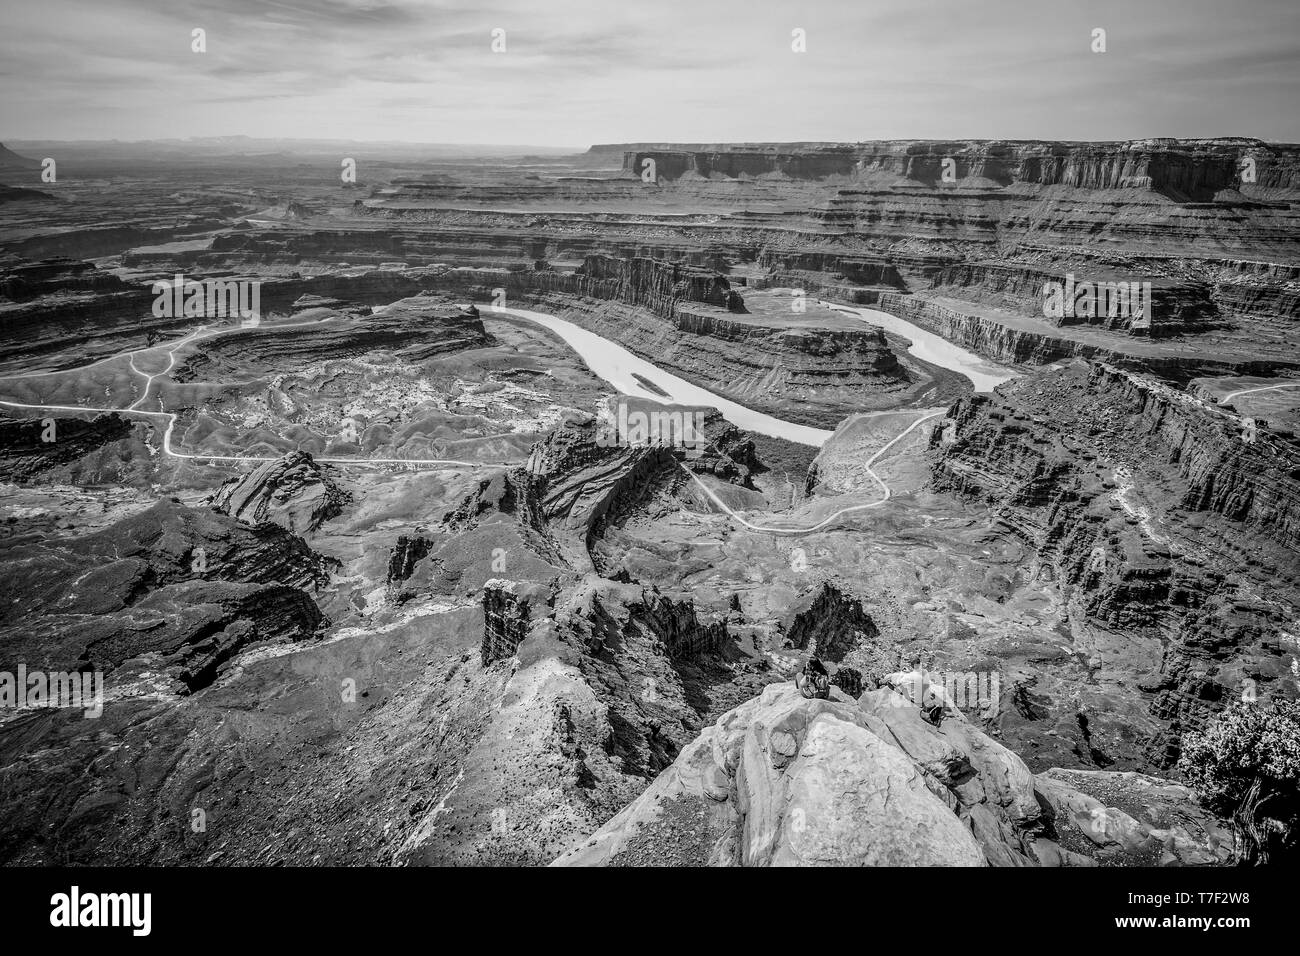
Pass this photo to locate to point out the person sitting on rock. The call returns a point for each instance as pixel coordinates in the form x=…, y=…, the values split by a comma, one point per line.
x=849, y=680
x=933, y=705
x=813, y=681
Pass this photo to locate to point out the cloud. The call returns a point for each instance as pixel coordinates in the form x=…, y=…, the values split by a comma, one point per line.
x=578, y=72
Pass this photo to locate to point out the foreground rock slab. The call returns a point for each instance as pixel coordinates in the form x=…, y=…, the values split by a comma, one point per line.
x=786, y=781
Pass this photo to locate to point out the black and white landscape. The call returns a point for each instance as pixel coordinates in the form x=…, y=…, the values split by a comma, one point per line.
x=786, y=435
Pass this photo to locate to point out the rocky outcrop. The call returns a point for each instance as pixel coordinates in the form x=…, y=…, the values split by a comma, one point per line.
x=682, y=634
x=1222, y=470
x=787, y=781
x=1132, y=819
x=600, y=693
x=980, y=333
x=827, y=623
x=730, y=454
x=1250, y=478
x=570, y=488
x=508, y=612
x=407, y=552
x=26, y=455
x=293, y=492
x=184, y=588
x=190, y=629
x=849, y=680
x=583, y=485
x=551, y=515
x=861, y=270
x=513, y=492
x=1157, y=515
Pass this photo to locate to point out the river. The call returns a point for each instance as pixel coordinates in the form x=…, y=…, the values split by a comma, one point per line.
x=935, y=349
x=617, y=366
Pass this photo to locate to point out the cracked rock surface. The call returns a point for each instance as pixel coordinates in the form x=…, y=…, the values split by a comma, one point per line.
x=786, y=781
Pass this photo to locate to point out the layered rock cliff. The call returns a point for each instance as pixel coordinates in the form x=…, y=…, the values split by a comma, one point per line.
x=1187, y=169
x=1005, y=339
x=412, y=329
x=26, y=456
x=1159, y=516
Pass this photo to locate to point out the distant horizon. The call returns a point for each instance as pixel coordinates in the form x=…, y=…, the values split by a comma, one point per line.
x=730, y=71
x=14, y=143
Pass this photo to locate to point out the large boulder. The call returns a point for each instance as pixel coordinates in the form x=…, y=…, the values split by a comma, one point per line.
x=1129, y=818
x=783, y=780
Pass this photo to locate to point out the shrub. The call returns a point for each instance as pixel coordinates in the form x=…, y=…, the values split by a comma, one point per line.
x=1247, y=764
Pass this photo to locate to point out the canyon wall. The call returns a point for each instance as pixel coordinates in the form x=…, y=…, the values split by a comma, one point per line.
x=690, y=322
x=1007, y=343
x=1160, y=520
x=1191, y=169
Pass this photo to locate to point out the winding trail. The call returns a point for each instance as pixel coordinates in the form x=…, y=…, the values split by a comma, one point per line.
x=1264, y=388
x=203, y=332
x=620, y=366
x=786, y=529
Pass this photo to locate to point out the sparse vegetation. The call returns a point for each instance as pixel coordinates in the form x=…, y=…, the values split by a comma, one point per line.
x=1247, y=764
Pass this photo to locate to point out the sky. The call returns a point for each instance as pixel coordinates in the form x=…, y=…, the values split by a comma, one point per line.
x=578, y=72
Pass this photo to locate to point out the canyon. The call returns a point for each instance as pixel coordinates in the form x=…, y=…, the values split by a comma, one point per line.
x=368, y=586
